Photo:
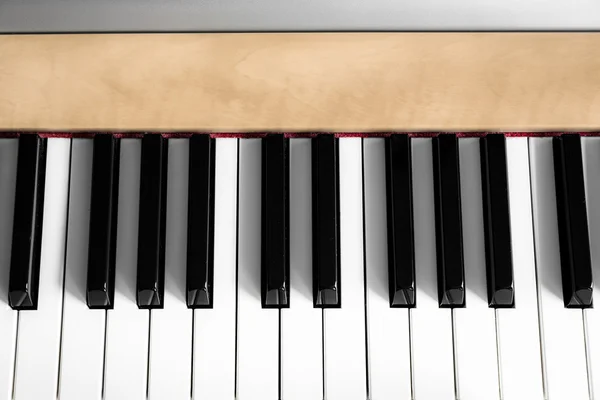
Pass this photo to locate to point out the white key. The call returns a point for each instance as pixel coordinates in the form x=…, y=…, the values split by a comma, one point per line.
x=214, y=329
x=301, y=324
x=170, y=358
x=258, y=329
x=431, y=326
x=82, y=348
x=590, y=147
x=518, y=328
x=475, y=324
x=127, y=326
x=8, y=318
x=344, y=330
x=38, y=344
x=389, y=346
x=563, y=328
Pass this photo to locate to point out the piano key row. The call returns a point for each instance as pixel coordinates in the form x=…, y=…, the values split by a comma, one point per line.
x=469, y=336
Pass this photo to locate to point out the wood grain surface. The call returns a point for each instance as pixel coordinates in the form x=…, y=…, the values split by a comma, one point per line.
x=301, y=82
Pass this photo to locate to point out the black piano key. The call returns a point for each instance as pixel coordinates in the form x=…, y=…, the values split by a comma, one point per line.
x=152, y=222
x=275, y=243
x=496, y=221
x=576, y=266
x=326, y=222
x=27, y=224
x=103, y=223
x=448, y=221
x=201, y=222
x=401, y=239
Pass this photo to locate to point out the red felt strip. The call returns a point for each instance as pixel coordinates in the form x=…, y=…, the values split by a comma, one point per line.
x=254, y=135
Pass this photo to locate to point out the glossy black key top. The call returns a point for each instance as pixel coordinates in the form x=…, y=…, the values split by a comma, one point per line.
x=27, y=226
x=275, y=253
x=575, y=259
x=102, y=251
x=496, y=221
x=326, y=222
x=448, y=221
x=201, y=222
x=401, y=238
x=152, y=222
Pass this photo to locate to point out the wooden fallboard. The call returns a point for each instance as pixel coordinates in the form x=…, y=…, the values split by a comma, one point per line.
x=298, y=82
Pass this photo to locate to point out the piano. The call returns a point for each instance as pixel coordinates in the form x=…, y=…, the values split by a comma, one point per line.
x=294, y=266
x=233, y=215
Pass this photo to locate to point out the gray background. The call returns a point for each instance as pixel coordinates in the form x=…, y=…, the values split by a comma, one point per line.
x=295, y=15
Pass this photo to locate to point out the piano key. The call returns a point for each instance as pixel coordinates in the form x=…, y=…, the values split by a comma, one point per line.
x=27, y=223
x=326, y=228
x=103, y=222
x=8, y=317
x=431, y=325
x=127, y=327
x=201, y=224
x=450, y=264
x=496, y=219
x=152, y=224
x=475, y=324
x=257, y=328
x=344, y=350
x=275, y=254
x=38, y=342
x=401, y=240
x=562, y=327
x=214, y=328
x=171, y=327
x=518, y=328
x=573, y=233
x=301, y=323
x=590, y=147
x=82, y=343
x=388, y=328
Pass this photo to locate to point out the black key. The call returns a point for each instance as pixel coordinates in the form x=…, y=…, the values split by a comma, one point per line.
x=326, y=222
x=102, y=251
x=448, y=222
x=27, y=226
x=201, y=222
x=152, y=223
x=496, y=221
x=575, y=259
x=275, y=253
x=401, y=238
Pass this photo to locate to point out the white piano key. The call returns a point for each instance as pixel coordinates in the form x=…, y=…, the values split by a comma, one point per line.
x=475, y=324
x=344, y=330
x=170, y=359
x=389, y=345
x=8, y=317
x=563, y=328
x=258, y=328
x=38, y=344
x=82, y=346
x=520, y=358
x=590, y=147
x=301, y=324
x=126, y=326
x=214, y=329
x=431, y=326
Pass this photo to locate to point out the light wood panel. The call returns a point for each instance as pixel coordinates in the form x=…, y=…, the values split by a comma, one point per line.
x=316, y=81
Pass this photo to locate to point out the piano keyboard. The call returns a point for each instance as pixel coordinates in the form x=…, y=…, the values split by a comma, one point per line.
x=299, y=268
